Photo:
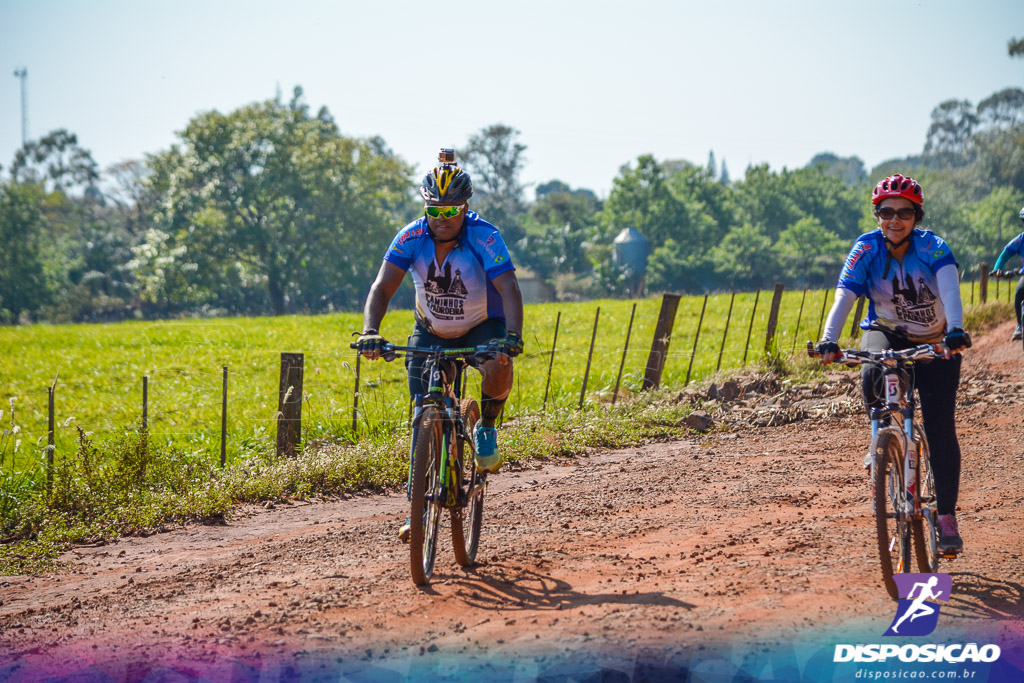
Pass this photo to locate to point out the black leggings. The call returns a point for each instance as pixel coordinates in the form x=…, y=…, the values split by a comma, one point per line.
x=937, y=382
x=1018, y=297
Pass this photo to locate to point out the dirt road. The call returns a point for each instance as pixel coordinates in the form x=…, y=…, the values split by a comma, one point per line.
x=759, y=534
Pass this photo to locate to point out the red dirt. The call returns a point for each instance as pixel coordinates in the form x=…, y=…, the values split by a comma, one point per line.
x=764, y=533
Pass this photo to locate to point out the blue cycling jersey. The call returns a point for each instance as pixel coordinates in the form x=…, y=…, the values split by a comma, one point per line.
x=1014, y=247
x=455, y=296
x=904, y=295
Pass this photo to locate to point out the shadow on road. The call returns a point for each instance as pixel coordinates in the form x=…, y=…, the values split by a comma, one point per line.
x=982, y=597
x=504, y=588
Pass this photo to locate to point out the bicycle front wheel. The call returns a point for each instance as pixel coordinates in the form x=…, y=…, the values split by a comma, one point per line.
x=426, y=500
x=467, y=518
x=891, y=518
x=925, y=531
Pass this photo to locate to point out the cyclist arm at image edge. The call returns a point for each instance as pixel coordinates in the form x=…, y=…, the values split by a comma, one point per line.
x=1014, y=247
x=948, y=282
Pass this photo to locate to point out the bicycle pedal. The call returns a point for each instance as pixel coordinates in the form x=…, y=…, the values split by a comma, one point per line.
x=949, y=556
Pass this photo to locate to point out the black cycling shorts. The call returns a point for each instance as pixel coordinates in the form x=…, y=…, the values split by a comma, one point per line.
x=492, y=328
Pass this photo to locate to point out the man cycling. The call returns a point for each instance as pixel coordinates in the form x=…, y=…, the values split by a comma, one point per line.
x=1014, y=247
x=910, y=277
x=467, y=294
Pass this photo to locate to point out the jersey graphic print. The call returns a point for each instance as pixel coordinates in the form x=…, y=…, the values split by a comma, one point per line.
x=456, y=295
x=445, y=295
x=915, y=305
x=903, y=291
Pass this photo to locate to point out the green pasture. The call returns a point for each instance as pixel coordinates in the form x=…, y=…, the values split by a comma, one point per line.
x=99, y=370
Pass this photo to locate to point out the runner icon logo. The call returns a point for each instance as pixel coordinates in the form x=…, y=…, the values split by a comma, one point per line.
x=920, y=598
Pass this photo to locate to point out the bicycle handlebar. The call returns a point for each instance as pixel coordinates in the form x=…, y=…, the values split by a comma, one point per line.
x=390, y=351
x=1006, y=274
x=859, y=357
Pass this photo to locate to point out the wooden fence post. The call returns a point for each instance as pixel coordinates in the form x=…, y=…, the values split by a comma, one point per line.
x=551, y=363
x=773, y=316
x=662, y=337
x=856, y=316
x=695, y=338
x=622, y=364
x=983, y=282
x=50, y=444
x=590, y=356
x=224, y=419
x=289, y=405
x=728, y=318
x=750, y=329
x=145, y=401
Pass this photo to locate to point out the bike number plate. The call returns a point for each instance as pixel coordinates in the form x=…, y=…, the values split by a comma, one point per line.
x=892, y=389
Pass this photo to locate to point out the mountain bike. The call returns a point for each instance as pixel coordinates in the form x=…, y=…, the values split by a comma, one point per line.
x=1011, y=275
x=442, y=469
x=902, y=483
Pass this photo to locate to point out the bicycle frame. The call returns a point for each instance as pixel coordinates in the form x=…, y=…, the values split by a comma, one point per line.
x=898, y=415
x=443, y=368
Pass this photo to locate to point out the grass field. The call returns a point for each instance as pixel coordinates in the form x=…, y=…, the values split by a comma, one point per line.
x=99, y=369
x=120, y=479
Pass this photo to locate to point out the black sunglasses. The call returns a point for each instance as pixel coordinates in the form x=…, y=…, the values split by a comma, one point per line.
x=887, y=212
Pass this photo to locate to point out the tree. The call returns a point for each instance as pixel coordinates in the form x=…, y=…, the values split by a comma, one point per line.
x=673, y=267
x=745, y=258
x=992, y=223
x=23, y=283
x=712, y=167
x=641, y=198
x=1016, y=47
x=494, y=159
x=848, y=169
x=953, y=122
x=809, y=254
x=57, y=161
x=551, y=186
x=266, y=205
x=557, y=226
x=1002, y=109
x=724, y=178
x=777, y=200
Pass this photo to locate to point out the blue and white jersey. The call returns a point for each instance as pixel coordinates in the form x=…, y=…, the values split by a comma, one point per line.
x=455, y=296
x=1014, y=247
x=904, y=295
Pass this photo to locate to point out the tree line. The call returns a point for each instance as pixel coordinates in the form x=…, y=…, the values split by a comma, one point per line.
x=270, y=209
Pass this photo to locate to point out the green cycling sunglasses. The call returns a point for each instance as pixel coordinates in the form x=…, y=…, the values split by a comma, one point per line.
x=444, y=211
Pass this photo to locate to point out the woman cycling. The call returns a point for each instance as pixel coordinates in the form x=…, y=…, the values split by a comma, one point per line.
x=1014, y=247
x=910, y=277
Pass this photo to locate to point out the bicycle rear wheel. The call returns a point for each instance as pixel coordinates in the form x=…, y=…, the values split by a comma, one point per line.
x=426, y=496
x=924, y=529
x=891, y=520
x=467, y=519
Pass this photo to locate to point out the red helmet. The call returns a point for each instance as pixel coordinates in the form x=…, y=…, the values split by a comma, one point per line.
x=898, y=185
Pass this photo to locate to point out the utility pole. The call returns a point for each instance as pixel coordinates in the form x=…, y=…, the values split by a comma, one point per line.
x=22, y=73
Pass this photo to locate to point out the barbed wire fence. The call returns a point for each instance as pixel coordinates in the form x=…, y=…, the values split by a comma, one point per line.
x=190, y=408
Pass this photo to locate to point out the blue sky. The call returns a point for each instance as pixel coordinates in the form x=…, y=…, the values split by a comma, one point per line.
x=590, y=85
